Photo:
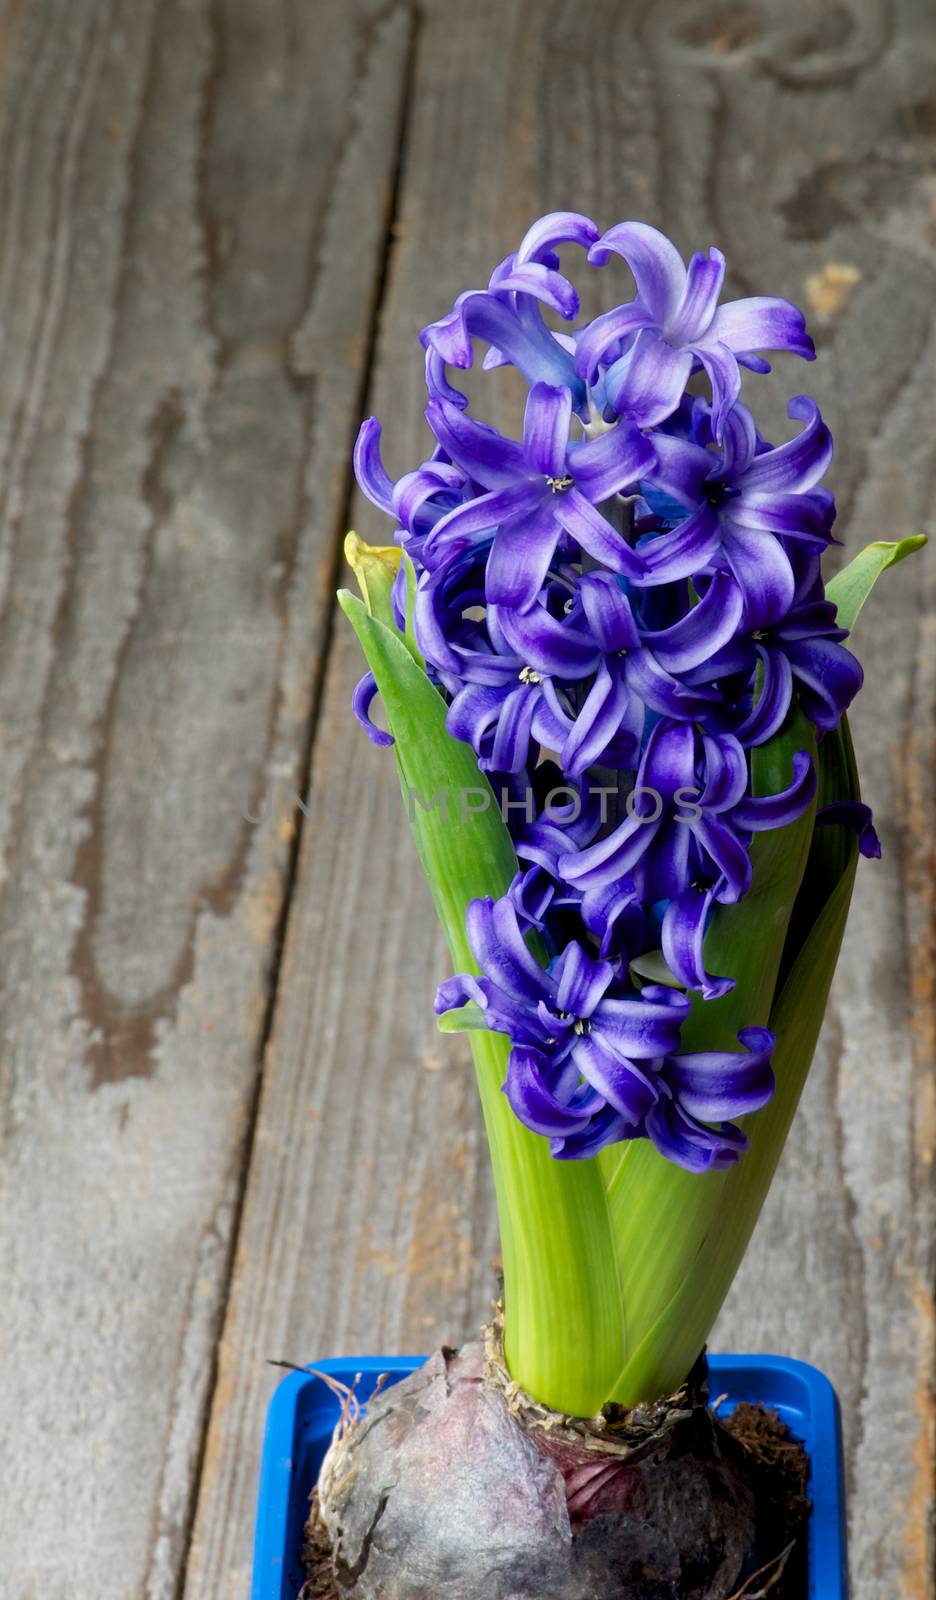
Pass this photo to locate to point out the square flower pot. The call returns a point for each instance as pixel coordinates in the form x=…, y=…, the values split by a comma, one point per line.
x=303, y=1413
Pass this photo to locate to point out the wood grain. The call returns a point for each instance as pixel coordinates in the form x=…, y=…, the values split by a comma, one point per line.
x=195, y=199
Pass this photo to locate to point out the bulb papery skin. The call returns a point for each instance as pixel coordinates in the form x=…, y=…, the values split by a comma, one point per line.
x=444, y=1490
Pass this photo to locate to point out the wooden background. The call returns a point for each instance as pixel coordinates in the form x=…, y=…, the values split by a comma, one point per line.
x=230, y=1129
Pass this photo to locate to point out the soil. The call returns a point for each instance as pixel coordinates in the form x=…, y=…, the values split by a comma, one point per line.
x=320, y=1581
x=778, y=1470
x=779, y=1467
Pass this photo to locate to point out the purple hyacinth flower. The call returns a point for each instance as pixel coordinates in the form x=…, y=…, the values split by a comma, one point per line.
x=536, y=494
x=567, y=821
x=418, y=499
x=613, y=915
x=855, y=815
x=701, y=1089
x=691, y=819
x=669, y=673
x=588, y=1064
x=591, y=639
x=739, y=501
x=507, y=316
x=580, y=1036
x=674, y=325
x=694, y=1091
x=517, y=677
x=803, y=652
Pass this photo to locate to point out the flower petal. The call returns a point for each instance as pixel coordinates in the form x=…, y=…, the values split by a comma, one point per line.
x=607, y=612
x=727, y=854
x=682, y=939
x=681, y=468
x=546, y=284
x=602, y=718
x=857, y=816
x=610, y=463
x=658, y=268
x=520, y=557
x=795, y=516
x=726, y=773
x=523, y=338
x=715, y=1084
x=582, y=981
x=688, y=1144
x=605, y=1128
x=364, y=693
x=667, y=867
x=371, y=474
x=535, y=1104
x=466, y=524
x=723, y=374
x=511, y=748
x=760, y=813
x=492, y=461
x=703, y=630
x=549, y=646
x=595, y=534
x=643, y=1028
x=502, y=953
x=829, y=678
x=763, y=572
x=647, y=383
x=603, y=910
x=604, y=333
x=621, y=1084
x=801, y=462
x=546, y=424
x=705, y=278
x=739, y=444
x=683, y=552
x=762, y=323
x=668, y=763
x=558, y=227
x=415, y=492
x=611, y=858
x=769, y=711
x=474, y=709
x=664, y=694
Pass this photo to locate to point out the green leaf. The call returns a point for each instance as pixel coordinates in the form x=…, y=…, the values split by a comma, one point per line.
x=664, y=1217
x=461, y=837
x=410, y=635
x=832, y=847
x=732, y=1201
x=465, y=1019
x=849, y=589
x=564, y=1323
x=701, y=1226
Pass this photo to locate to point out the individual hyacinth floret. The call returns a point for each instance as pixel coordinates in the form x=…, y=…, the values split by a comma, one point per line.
x=627, y=584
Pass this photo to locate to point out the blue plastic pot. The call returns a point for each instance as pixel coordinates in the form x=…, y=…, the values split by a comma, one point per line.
x=303, y=1412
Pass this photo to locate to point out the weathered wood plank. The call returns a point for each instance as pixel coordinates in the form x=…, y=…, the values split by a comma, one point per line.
x=195, y=200
x=800, y=144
